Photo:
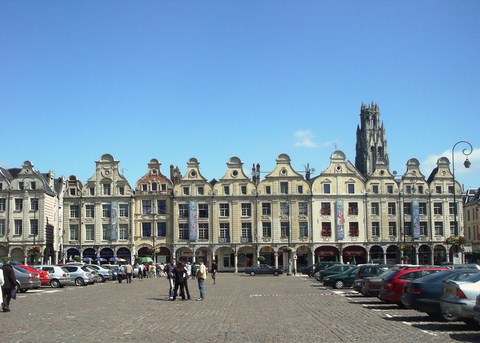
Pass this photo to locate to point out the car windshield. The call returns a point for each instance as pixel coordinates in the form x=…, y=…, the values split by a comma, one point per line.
x=473, y=278
x=22, y=270
x=389, y=274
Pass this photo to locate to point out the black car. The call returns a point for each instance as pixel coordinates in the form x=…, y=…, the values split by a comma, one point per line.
x=372, y=284
x=309, y=270
x=263, y=269
x=341, y=280
x=424, y=294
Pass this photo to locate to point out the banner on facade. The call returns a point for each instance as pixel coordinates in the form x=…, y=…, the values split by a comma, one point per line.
x=416, y=219
x=340, y=220
x=114, y=221
x=192, y=218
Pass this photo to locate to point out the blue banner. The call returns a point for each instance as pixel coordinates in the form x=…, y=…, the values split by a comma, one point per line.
x=340, y=220
x=192, y=218
x=416, y=219
x=114, y=221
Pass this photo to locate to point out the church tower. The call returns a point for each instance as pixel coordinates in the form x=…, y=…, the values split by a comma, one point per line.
x=371, y=140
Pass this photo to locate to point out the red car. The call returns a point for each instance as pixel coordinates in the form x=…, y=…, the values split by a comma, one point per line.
x=43, y=274
x=393, y=282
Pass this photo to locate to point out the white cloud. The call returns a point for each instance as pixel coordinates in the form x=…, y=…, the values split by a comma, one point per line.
x=305, y=138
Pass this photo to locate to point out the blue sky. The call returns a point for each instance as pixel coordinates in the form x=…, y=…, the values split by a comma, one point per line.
x=173, y=80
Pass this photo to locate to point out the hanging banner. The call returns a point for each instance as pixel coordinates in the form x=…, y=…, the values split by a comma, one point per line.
x=192, y=219
x=114, y=221
x=416, y=219
x=340, y=220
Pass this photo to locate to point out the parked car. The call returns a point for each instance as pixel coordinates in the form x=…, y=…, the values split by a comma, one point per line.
x=358, y=285
x=391, y=289
x=341, y=280
x=336, y=269
x=476, y=309
x=324, y=265
x=424, y=294
x=263, y=269
x=309, y=270
x=367, y=270
x=459, y=298
x=26, y=280
x=44, y=276
x=59, y=276
x=103, y=273
x=79, y=275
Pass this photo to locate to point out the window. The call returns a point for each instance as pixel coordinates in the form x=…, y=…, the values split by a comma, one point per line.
x=203, y=210
x=437, y=208
x=18, y=204
x=451, y=208
x=183, y=210
x=225, y=231
x=438, y=228
x=353, y=229
x=182, y=231
x=200, y=190
x=408, y=228
x=161, y=229
x=390, y=189
x=243, y=189
x=451, y=189
x=163, y=187
x=284, y=208
x=452, y=228
x=246, y=232
x=325, y=209
x=352, y=208
x=300, y=189
x=74, y=232
x=267, y=229
x=123, y=209
x=303, y=228
x=89, y=232
x=72, y=191
x=284, y=229
x=420, y=189
x=146, y=229
x=106, y=189
x=92, y=190
x=375, y=189
x=186, y=191
x=154, y=186
x=2, y=227
x=33, y=227
x=423, y=229
x=303, y=208
x=144, y=187
x=146, y=207
x=407, y=208
x=268, y=190
x=3, y=203
x=226, y=190
x=266, y=209
x=438, y=189
x=224, y=210
x=391, y=208
x=375, y=229
x=326, y=188
x=203, y=231
x=90, y=211
x=246, y=209
x=162, y=206
x=284, y=187
x=106, y=232
x=106, y=211
x=74, y=210
x=422, y=208
x=350, y=188
x=375, y=208
x=34, y=204
x=123, y=231
x=326, y=229
x=392, y=228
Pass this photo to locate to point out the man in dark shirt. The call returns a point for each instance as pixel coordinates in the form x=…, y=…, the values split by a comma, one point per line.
x=10, y=282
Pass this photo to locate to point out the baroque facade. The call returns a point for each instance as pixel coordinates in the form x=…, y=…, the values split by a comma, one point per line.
x=351, y=213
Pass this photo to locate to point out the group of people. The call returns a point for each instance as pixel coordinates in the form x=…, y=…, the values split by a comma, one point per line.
x=8, y=284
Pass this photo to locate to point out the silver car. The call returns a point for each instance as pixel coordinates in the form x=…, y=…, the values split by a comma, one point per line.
x=80, y=275
x=459, y=297
x=59, y=276
x=103, y=273
x=26, y=280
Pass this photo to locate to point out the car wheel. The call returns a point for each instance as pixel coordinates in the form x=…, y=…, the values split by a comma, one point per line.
x=339, y=284
x=275, y=273
x=449, y=317
x=102, y=278
x=79, y=281
x=54, y=283
x=252, y=273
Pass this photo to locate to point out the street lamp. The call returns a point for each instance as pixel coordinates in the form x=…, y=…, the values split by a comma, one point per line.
x=467, y=151
x=34, y=206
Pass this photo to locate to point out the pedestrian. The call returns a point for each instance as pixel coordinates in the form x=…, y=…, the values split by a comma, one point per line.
x=169, y=267
x=2, y=281
x=129, y=272
x=140, y=271
x=194, y=270
x=162, y=269
x=152, y=271
x=214, y=271
x=188, y=268
x=179, y=274
x=157, y=269
x=201, y=276
x=9, y=285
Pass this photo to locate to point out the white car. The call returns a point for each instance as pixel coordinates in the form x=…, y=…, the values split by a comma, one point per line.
x=459, y=299
x=59, y=276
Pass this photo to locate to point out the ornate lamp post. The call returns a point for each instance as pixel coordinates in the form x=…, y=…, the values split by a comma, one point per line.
x=466, y=163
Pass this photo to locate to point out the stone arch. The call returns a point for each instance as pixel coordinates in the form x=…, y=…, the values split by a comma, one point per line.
x=376, y=254
x=354, y=254
x=327, y=253
x=424, y=254
x=393, y=254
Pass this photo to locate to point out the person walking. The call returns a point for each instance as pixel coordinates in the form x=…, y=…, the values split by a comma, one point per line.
x=188, y=268
x=169, y=267
x=201, y=276
x=2, y=281
x=214, y=271
x=9, y=283
x=179, y=277
x=129, y=272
